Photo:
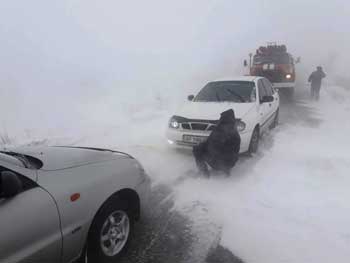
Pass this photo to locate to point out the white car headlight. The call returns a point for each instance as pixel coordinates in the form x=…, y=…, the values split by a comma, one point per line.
x=241, y=126
x=173, y=123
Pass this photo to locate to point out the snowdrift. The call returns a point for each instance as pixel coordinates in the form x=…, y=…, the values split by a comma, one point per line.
x=289, y=203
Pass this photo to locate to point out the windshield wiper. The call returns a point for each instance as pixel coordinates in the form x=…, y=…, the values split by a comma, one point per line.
x=237, y=95
x=22, y=158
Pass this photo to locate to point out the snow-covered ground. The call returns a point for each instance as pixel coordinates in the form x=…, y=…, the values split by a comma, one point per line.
x=287, y=204
x=291, y=202
x=107, y=74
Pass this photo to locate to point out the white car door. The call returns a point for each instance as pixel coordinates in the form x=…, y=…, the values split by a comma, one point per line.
x=29, y=223
x=271, y=106
x=263, y=107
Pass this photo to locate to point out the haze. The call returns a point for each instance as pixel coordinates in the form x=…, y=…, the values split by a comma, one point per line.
x=72, y=64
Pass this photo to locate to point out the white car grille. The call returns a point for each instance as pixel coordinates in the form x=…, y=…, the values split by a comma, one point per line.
x=197, y=126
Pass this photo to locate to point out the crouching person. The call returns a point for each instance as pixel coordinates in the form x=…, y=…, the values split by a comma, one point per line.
x=221, y=149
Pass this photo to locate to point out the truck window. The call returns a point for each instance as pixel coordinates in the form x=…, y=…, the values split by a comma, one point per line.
x=283, y=58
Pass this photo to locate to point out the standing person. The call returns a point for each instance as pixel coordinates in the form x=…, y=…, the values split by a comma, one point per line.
x=316, y=80
x=221, y=149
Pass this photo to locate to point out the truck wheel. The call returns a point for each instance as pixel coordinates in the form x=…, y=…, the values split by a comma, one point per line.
x=254, y=141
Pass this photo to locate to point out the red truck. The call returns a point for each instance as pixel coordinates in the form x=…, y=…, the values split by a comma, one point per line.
x=276, y=64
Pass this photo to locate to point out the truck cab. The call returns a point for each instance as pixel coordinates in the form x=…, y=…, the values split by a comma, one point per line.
x=276, y=64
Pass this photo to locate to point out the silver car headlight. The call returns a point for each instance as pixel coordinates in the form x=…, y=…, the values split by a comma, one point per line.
x=173, y=123
x=241, y=126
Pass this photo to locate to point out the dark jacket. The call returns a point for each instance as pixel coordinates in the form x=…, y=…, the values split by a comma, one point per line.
x=316, y=78
x=224, y=142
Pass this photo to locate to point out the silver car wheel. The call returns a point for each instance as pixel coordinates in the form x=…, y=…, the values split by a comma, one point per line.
x=115, y=233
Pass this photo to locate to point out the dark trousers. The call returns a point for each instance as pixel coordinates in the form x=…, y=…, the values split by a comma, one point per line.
x=203, y=160
x=315, y=92
x=200, y=155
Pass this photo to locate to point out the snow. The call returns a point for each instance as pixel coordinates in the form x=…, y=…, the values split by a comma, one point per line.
x=109, y=75
x=290, y=204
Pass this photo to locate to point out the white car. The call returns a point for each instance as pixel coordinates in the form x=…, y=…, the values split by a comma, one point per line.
x=60, y=204
x=253, y=99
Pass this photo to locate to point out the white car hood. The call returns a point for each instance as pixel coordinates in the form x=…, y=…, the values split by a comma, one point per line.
x=212, y=110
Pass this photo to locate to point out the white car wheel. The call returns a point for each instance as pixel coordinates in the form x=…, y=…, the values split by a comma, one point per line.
x=275, y=120
x=254, y=141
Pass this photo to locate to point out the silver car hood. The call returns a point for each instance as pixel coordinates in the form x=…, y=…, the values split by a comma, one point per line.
x=58, y=158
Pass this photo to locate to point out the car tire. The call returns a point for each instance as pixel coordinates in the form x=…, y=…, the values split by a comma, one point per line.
x=110, y=232
x=254, y=141
x=275, y=120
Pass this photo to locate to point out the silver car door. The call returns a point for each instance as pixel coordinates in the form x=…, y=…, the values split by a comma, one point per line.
x=30, y=225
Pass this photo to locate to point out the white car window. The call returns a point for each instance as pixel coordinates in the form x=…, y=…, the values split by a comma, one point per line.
x=268, y=87
x=262, y=91
x=253, y=95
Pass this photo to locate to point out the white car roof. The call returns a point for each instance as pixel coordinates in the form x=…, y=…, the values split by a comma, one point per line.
x=239, y=78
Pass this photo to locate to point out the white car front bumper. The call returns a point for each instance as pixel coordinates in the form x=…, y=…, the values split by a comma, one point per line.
x=176, y=138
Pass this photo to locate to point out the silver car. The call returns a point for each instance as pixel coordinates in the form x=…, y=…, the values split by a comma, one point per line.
x=62, y=204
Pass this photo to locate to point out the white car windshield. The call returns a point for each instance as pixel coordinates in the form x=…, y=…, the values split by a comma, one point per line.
x=228, y=91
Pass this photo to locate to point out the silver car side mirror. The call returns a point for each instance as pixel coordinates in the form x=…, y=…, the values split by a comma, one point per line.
x=11, y=185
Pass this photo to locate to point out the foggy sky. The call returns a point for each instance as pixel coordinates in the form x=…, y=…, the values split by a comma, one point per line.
x=82, y=62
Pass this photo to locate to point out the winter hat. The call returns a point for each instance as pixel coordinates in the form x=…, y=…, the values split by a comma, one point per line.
x=229, y=114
